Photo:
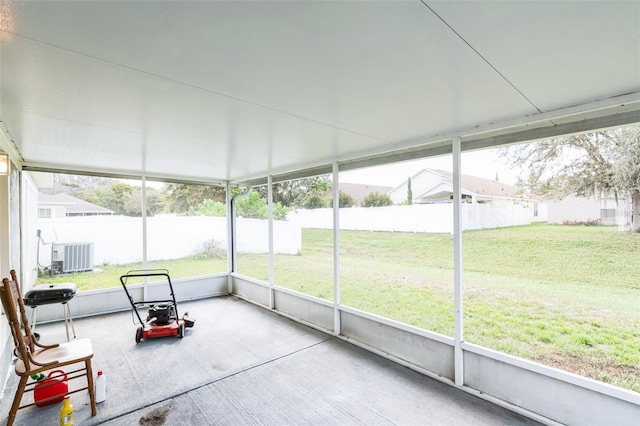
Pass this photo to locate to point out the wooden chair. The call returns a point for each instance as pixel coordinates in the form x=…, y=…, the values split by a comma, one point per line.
x=34, y=357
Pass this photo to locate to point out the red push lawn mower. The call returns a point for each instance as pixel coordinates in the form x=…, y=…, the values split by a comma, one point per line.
x=162, y=315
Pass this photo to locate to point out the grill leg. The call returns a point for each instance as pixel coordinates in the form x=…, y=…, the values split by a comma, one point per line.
x=32, y=321
x=68, y=319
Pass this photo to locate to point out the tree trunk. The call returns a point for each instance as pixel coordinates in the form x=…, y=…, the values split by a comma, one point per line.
x=635, y=217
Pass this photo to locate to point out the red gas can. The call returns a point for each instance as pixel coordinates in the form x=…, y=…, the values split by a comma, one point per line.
x=54, y=386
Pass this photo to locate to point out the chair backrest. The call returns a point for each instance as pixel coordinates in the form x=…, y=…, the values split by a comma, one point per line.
x=10, y=294
x=31, y=340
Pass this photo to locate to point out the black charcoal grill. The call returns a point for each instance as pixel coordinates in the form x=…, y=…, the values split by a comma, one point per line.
x=49, y=294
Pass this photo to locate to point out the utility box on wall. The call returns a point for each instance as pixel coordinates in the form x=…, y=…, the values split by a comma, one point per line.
x=71, y=257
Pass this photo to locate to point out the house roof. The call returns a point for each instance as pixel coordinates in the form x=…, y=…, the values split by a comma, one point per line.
x=73, y=205
x=359, y=191
x=237, y=91
x=484, y=187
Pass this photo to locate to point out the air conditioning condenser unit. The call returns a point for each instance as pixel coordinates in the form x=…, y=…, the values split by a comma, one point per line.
x=71, y=257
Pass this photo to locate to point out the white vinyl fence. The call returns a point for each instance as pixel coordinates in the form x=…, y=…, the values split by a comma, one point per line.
x=428, y=218
x=118, y=239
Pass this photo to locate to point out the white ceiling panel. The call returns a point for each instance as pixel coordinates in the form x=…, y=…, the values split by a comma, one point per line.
x=556, y=53
x=235, y=91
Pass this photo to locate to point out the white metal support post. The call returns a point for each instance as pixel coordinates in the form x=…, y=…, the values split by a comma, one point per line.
x=457, y=261
x=143, y=206
x=271, y=273
x=5, y=229
x=230, y=236
x=336, y=250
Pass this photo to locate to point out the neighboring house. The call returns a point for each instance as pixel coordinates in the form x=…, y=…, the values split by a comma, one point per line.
x=430, y=186
x=436, y=186
x=593, y=210
x=358, y=192
x=65, y=205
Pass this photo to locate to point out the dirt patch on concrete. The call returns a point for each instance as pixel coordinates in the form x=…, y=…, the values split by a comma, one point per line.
x=157, y=417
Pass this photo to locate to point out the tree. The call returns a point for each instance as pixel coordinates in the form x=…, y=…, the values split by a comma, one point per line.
x=292, y=193
x=79, y=186
x=155, y=201
x=409, y=193
x=309, y=193
x=181, y=196
x=252, y=206
x=113, y=197
x=375, y=199
x=626, y=168
x=209, y=208
x=132, y=205
x=256, y=207
x=592, y=164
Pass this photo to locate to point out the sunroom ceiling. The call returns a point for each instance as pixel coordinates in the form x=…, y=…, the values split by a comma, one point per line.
x=235, y=91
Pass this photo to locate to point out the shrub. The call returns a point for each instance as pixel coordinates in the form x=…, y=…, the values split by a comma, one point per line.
x=255, y=207
x=211, y=249
x=375, y=199
x=209, y=208
x=313, y=200
x=345, y=200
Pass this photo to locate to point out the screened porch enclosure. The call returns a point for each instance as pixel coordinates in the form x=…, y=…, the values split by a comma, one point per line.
x=240, y=95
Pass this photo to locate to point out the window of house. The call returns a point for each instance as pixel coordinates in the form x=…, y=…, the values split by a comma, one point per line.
x=607, y=213
x=607, y=208
x=44, y=213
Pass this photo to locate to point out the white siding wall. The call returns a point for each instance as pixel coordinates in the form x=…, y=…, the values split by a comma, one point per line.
x=420, y=184
x=573, y=209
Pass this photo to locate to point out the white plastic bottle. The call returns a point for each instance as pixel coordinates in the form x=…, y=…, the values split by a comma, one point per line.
x=101, y=387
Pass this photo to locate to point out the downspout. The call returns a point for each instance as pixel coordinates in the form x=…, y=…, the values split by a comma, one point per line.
x=232, y=226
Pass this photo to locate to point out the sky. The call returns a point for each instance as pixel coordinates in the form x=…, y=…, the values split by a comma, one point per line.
x=484, y=164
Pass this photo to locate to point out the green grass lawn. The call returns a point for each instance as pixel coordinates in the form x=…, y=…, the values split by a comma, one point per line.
x=562, y=295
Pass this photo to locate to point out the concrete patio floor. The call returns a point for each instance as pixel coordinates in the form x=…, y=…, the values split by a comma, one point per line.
x=244, y=365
